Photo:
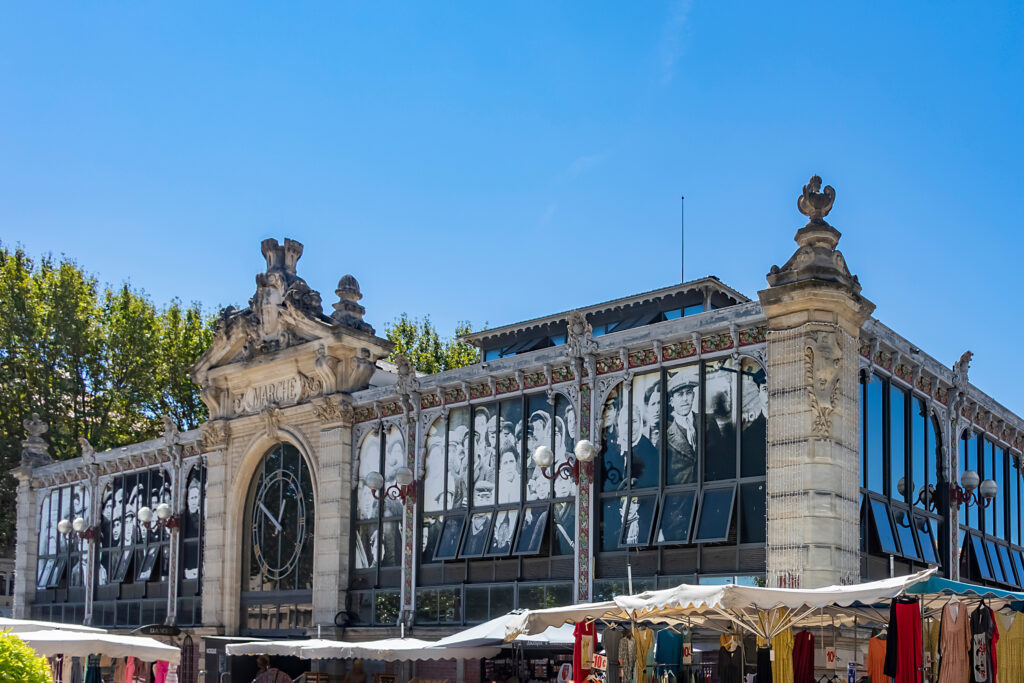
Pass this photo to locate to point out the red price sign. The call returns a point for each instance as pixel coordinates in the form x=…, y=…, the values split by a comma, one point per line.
x=830, y=657
x=687, y=653
x=600, y=662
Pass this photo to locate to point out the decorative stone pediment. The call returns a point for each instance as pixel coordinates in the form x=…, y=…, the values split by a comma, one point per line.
x=282, y=349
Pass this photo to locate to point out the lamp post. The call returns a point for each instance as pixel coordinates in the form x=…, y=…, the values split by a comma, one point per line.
x=78, y=529
x=404, y=488
x=965, y=494
x=571, y=469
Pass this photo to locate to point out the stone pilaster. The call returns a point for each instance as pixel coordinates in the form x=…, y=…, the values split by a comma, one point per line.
x=27, y=544
x=333, y=513
x=814, y=311
x=215, y=552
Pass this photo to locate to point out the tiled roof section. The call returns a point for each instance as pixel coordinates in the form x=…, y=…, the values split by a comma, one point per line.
x=710, y=283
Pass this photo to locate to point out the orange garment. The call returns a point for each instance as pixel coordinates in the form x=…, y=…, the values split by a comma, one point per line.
x=876, y=661
x=954, y=645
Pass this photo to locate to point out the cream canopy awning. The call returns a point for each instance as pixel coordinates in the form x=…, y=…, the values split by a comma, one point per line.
x=762, y=611
x=81, y=644
x=395, y=650
x=17, y=626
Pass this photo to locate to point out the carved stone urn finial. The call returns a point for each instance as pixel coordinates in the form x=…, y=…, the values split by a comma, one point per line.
x=34, y=449
x=814, y=203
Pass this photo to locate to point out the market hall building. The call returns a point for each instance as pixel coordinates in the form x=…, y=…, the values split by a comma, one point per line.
x=688, y=434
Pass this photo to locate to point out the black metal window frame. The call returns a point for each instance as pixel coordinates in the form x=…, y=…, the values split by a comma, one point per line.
x=381, y=533
x=701, y=489
x=910, y=437
x=191, y=546
x=61, y=562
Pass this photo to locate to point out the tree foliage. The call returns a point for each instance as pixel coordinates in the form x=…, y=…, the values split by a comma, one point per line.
x=19, y=663
x=96, y=362
x=426, y=350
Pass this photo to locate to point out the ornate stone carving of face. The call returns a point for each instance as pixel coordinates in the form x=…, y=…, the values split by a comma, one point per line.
x=823, y=358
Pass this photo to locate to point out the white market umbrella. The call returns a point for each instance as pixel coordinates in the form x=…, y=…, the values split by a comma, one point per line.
x=79, y=644
x=742, y=605
x=396, y=650
x=493, y=633
x=280, y=648
x=17, y=626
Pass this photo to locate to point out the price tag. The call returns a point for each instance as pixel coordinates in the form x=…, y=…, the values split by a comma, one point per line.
x=830, y=658
x=687, y=652
x=771, y=655
x=927, y=660
x=600, y=662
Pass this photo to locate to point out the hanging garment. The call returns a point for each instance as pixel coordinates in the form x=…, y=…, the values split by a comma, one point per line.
x=610, y=642
x=668, y=652
x=984, y=637
x=120, y=669
x=644, y=638
x=954, y=644
x=931, y=648
x=627, y=658
x=782, y=667
x=764, y=665
x=76, y=670
x=730, y=665
x=803, y=658
x=129, y=669
x=583, y=650
x=1010, y=648
x=903, y=647
x=876, y=661
x=172, y=674
x=92, y=673
x=160, y=671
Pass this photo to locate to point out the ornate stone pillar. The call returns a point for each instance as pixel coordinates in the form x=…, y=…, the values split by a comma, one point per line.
x=35, y=452
x=956, y=424
x=582, y=348
x=333, y=510
x=214, y=548
x=815, y=312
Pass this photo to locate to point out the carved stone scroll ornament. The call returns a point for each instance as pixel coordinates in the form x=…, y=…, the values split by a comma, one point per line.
x=214, y=435
x=329, y=410
x=326, y=370
x=272, y=420
x=823, y=360
x=580, y=335
x=960, y=381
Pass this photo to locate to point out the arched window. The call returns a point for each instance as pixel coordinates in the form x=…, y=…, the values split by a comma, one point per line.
x=279, y=531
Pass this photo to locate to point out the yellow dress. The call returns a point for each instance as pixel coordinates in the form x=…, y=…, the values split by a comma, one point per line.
x=782, y=665
x=644, y=638
x=1010, y=649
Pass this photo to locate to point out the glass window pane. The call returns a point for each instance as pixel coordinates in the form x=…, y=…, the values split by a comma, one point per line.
x=431, y=536
x=969, y=461
x=476, y=603
x=876, y=478
x=485, y=454
x=458, y=459
x=503, y=600
x=883, y=527
x=715, y=516
x=898, y=486
x=993, y=558
x=999, y=504
x=563, y=529
x=639, y=520
x=676, y=515
x=426, y=606
x=391, y=545
x=451, y=534
x=475, y=542
x=978, y=551
x=1013, y=500
x=510, y=434
x=754, y=415
x=1008, y=568
x=861, y=434
x=434, y=475
x=612, y=510
x=614, y=442
x=906, y=532
x=926, y=540
x=646, y=434
x=449, y=605
x=719, y=420
x=683, y=398
x=395, y=458
x=1018, y=564
x=920, y=477
x=531, y=536
x=753, y=513
x=369, y=461
x=565, y=442
x=366, y=546
x=989, y=472
x=504, y=531
x=538, y=433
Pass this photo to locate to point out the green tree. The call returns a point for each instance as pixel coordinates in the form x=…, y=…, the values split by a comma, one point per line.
x=426, y=350
x=103, y=364
x=19, y=663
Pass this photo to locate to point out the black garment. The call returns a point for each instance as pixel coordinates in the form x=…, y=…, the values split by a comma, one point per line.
x=730, y=665
x=982, y=660
x=891, y=648
x=764, y=665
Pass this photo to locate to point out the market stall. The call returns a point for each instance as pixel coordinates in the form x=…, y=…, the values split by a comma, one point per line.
x=52, y=643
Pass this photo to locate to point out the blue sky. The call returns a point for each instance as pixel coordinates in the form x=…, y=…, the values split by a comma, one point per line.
x=493, y=162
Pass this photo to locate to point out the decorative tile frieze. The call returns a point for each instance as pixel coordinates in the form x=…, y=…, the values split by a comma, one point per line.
x=754, y=335
x=608, y=364
x=454, y=395
x=429, y=401
x=642, y=357
x=365, y=414
x=718, y=342
x=563, y=374
x=506, y=385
